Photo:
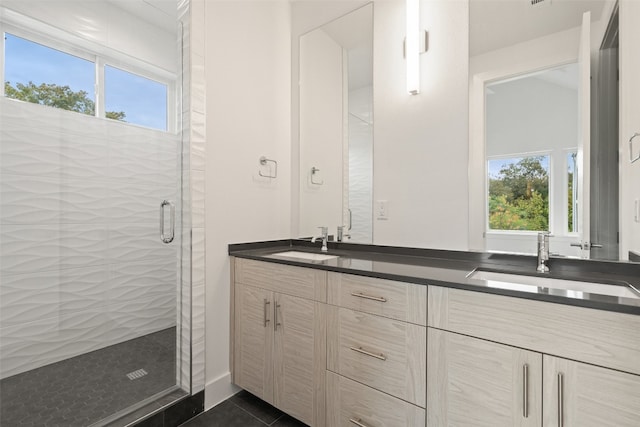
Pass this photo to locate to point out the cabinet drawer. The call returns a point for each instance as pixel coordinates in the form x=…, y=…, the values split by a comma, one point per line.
x=386, y=354
x=349, y=401
x=396, y=300
x=297, y=281
x=594, y=336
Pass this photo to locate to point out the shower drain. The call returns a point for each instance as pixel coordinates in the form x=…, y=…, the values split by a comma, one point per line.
x=137, y=374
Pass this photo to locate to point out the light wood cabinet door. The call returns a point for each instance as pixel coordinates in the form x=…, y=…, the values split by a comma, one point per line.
x=475, y=383
x=300, y=358
x=581, y=395
x=253, y=341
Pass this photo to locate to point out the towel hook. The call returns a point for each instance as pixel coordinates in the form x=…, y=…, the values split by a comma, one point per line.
x=631, y=157
x=263, y=162
x=313, y=172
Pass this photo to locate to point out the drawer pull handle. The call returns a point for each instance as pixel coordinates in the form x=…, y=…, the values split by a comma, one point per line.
x=276, y=322
x=358, y=422
x=560, y=400
x=525, y=390
x=368, y=353
x=365, y=296
x=266, y=319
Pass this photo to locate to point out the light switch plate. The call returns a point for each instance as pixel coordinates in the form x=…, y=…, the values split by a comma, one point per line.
x=636, y=210
x=382, y=210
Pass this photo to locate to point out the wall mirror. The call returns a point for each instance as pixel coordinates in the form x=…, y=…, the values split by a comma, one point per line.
x=336, y=126
x=543, y=134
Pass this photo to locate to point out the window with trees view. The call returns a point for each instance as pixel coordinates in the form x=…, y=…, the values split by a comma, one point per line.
x=519, y=193
x=43, y=75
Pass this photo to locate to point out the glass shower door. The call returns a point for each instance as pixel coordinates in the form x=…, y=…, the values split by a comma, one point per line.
x=90, y=210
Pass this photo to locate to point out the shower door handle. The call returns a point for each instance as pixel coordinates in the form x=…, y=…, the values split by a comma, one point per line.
x=167, y=238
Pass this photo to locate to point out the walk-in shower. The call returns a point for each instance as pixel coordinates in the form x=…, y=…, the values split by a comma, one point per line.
x=91, y=210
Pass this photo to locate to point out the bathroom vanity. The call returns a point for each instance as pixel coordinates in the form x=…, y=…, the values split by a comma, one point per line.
x=379, y=336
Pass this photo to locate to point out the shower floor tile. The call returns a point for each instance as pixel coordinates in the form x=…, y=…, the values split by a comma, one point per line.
x=82, y=390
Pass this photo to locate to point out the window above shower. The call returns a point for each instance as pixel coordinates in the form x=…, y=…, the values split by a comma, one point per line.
x=40, y=68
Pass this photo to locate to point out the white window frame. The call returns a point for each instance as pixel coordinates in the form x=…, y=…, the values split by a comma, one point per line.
x=51, y=37
x=565, y=154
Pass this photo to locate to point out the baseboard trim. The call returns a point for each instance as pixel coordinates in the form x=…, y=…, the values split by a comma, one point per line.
x=219, y=390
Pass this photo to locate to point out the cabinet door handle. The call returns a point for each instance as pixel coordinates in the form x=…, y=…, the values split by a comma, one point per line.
x=365, y=296
x=266, y=319
x=358, y=422
x=368, y=353
x=560, y=400
x=276, y=322
x=525, y=391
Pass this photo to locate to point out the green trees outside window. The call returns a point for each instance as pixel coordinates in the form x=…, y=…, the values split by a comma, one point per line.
x=519, y=194
x=57, y=96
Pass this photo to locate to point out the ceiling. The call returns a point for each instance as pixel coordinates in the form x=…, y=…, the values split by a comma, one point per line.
x=161, y=13
x=566, y=76
x=354, y=32
x=494, y=24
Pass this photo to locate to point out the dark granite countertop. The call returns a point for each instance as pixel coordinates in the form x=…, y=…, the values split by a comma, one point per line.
x=451, y=268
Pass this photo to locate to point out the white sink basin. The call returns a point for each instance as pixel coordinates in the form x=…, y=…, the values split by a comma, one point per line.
x=307, y=256
x=531, y=283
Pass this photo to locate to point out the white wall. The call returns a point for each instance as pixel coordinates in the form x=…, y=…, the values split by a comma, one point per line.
x=248, y=72
x=420, y=142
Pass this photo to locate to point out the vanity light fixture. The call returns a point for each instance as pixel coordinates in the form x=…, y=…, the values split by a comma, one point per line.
x=413, y=46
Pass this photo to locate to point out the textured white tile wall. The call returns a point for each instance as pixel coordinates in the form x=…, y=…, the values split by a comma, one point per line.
x=360, y=191
x=191, y=15
x=81, y=263
x=197, y=141
x=184, y=349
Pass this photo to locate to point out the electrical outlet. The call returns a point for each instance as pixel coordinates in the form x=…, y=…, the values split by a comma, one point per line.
x=636, y=210
x=382, y=210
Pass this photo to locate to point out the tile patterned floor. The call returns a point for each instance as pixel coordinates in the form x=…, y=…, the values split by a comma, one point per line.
x=243, y=410
x=85, y=389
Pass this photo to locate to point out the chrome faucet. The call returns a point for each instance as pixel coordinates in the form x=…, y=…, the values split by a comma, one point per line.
x=340, y=235
x=325, y=236
x=543, y=252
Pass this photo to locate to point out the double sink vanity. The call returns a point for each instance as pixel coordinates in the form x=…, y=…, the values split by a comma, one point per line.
x=372, y=336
